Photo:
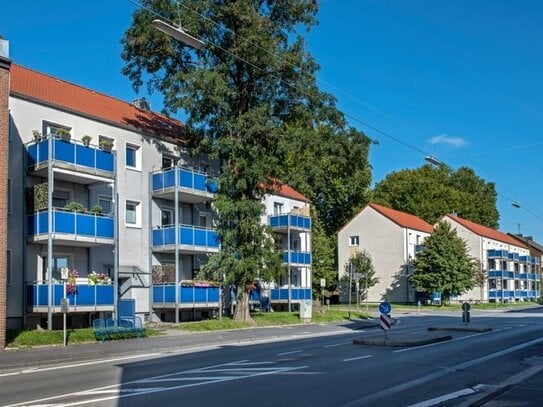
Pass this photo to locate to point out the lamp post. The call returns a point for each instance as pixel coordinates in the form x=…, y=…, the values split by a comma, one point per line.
x=432, y=160
x=178, y=33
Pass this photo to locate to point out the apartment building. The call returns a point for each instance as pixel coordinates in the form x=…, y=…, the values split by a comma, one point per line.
x=104, y=194
x=392, y=238
x=510, y=271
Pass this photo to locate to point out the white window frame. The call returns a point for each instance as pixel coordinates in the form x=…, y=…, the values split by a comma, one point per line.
x=137, y=224
x=137, y=157
x=278, y=208
x=103, y=137
x=42, y=259
x=173, y=159
x=47, y=126
x=354, y=241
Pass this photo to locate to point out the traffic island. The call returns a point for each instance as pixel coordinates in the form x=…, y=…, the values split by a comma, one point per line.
x=461, y=328
x=403, y=340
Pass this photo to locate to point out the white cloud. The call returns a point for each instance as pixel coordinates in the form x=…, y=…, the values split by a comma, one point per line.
x=444, y=139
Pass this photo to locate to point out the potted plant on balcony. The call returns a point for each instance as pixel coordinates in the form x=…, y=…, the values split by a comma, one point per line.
x=74, y=207
x=37, y=135
x=86, y=139
x=96, y=209
x=106, y=144
x=63, y=134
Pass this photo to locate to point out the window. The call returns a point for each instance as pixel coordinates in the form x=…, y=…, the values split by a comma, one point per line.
x=167, y=217
x=106, y=143
x=133, y=214
x=61, y=197
x=203, y=167
x=52, y=128
x=203, y=218
x=354, y=241
x=132, y=156
x=277, y=208
x=168, y=161
x=8, y=268
x=9, y=196
x=59, y=262
x=106, y=204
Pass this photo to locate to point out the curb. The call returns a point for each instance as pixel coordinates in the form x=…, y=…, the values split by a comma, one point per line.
x=402, y=340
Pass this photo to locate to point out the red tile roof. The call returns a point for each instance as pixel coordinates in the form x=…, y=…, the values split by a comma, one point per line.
x=28, y=84
x=403, y=219
x=486, y=231
x=289, y=192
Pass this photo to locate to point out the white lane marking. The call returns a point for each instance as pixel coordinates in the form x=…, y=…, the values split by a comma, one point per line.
x=289, y=353
x=115, y=388
x=338, y=344
x=445, y=397
x=432, y=376
x=507, y=327
x=442, y=343
x=418, y=332
x=94, y=362
x=357, y=358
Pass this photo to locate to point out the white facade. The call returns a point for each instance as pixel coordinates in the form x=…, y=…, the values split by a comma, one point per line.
x=146, y=217
x=391, y=245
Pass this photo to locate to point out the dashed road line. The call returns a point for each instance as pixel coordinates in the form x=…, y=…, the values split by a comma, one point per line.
x=290, y=353
x=338, y=344
x=357, y=358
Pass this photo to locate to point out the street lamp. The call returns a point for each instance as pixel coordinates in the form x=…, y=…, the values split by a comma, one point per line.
x=178, y=33
x=432, y=160
x=515, y=205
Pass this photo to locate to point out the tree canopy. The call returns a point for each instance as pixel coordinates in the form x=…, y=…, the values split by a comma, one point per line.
x=444, y=264
x=251, y=101
x=431, y=192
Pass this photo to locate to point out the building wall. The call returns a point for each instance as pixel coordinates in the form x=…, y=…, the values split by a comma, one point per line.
x=388, y=245
x=4, y=142
x=478, y=247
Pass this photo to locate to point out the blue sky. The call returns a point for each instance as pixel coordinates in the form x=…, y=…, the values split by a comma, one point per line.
x=460, y=80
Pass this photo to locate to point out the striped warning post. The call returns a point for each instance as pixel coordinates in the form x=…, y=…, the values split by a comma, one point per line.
x=385, y=322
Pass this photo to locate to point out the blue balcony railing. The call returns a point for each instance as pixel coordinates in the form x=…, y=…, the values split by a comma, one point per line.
x=165, y=294
x=292, y=220
x=514, y=256
x=297, y=257
x=497, y=253
x=86, y=295
x=281, y=294
x=73, y=153
x=501, y=294
x=187, y=178
x=71, y=223
x=501, y=274
x=187, y=235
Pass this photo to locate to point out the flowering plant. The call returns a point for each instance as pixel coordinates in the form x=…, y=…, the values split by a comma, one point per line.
x=198, y=283
x=95, y=278
x=71, y=283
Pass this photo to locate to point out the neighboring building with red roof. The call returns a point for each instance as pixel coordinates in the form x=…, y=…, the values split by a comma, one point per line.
x=511, y=272
x=391, y=238
x=133, y=172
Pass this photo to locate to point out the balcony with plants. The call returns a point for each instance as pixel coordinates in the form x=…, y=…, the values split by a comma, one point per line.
x=193, y=186
x=92, y=293
x=75, y=156
x=73, y=224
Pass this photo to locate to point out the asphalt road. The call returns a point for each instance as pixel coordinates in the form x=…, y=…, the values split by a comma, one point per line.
x=308, y=365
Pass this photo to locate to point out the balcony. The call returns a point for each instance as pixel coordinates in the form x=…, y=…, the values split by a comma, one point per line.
x=493, y=254
x=280, y=295
x=70, y=157
x=297, y=258
x=501, y=294
x=193, y=186
x=71, y=228
x=289, y=221
x=89, y=298
x=514, y=256
x=191, y=239
x=501, y=274
x=189, y=297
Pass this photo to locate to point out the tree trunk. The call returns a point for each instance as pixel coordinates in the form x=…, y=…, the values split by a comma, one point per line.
x=241, y=312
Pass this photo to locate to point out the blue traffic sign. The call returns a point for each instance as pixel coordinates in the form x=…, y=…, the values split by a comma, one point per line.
x=385, y=308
